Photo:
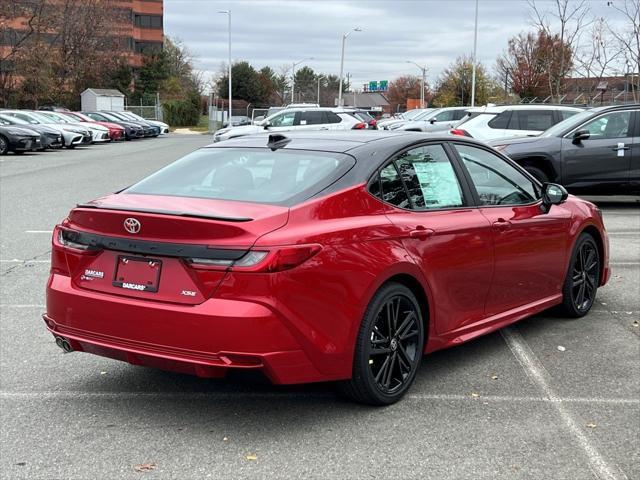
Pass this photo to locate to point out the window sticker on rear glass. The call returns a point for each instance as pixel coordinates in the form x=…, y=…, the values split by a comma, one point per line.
x=438, y=183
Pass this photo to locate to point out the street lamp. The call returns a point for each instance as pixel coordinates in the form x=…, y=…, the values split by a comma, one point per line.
x=424, y=75
x=320, y=77
x=344, y=39
x=473, y=74
x=228, y=13
x=293, y=74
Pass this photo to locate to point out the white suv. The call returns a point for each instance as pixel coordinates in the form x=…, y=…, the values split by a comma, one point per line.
x=297, y=119
x=491, y=123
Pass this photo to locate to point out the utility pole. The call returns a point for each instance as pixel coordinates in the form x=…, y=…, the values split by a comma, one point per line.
x=423, y=69
x=506, y=80
x=228, y=13
x=475, y=48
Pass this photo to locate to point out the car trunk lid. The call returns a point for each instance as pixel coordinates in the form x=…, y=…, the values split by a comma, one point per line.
x=141, y=245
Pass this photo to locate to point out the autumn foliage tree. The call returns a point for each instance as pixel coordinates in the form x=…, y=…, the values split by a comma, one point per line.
x=532, y=63
x=454, y=84
x=403, y=88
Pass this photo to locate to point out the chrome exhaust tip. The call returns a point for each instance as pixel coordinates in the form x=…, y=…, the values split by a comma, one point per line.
x=64, y=344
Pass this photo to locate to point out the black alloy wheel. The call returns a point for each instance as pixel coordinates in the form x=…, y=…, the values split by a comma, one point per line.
x=583, y=277
x=388, y=348
x=4, y=145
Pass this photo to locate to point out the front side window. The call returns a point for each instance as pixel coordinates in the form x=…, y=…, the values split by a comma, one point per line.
x=285, y=119
x=333, y=118
x=612, y=125
x=496, y=182
x=445, y=116
x=246, y=175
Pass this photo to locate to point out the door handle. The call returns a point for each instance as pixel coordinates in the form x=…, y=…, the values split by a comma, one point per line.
x=421, y=233
x=615, y=149
x=501, y=225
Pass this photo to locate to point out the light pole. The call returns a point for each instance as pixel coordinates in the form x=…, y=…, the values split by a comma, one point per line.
x=228, y=13
x=344, y=39
x=293, y=74
x=320, y=77
x=473, y=71
x=424, y=75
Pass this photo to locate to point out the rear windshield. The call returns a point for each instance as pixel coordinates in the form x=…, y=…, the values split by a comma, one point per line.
x=247, y=175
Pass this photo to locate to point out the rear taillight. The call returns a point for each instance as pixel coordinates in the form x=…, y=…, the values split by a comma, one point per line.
x=459, y=131
x=274, y=259
x=373, y=123
x=67, y=239
x=359, y=126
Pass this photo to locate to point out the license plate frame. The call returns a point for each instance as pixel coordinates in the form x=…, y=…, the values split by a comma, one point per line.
x=150, y=285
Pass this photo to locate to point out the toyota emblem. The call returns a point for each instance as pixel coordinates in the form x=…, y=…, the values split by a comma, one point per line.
x=132, y=225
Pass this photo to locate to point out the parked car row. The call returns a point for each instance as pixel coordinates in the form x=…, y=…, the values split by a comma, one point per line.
x=36, y=130
x=302, y=118
x=587, y=150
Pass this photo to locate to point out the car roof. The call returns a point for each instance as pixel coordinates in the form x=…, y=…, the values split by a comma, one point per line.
x=338, y=142
x=539, y=106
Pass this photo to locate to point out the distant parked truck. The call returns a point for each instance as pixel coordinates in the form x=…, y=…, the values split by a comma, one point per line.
x=96, y=99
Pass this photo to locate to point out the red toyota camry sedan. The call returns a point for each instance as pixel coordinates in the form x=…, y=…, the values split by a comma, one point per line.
x=320, y=256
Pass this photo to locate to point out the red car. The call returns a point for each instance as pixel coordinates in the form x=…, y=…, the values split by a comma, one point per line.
x=320, y=256
x=116, y=132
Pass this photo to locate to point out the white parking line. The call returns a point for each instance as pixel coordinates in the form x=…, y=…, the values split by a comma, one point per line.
x=8, y=395
x=38, y=231
x=21, y=305
x=539, y=375
x=15, y=260
x=616, y=234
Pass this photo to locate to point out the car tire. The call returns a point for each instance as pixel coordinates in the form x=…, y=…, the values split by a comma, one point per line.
x=538, y=174
x=388, y=348
x=583, y=277
x=4, y=145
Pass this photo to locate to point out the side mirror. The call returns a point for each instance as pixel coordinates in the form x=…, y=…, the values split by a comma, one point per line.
x=432, y=121
x=553, y=194
x=580, y=135
x=265, y=124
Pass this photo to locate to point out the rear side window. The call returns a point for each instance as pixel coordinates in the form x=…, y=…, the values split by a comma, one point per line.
x=393, y=191
x=564, y=114
x=420, y=179
x=313, y=118
x=249, y=175
x=459, y=114
x=333, y=118
x=501, y=120
x=531, y=120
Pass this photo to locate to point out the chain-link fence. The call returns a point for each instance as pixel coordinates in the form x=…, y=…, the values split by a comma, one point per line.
x=148, y=106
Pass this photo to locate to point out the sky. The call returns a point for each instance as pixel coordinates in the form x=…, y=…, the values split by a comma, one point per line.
x=277, y=33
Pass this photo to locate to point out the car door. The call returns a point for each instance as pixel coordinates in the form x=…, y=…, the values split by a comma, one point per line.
x=313, y=120
x=448, y=239
x=604, y=159
x=530, y=246
x=634, y=170
x=442, y=121
x=284, y=121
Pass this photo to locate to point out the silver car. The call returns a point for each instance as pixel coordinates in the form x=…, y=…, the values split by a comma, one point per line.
x=71, y=136
x=439, y=120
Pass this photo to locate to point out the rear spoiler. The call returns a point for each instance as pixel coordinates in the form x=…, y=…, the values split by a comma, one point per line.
x=176, y=213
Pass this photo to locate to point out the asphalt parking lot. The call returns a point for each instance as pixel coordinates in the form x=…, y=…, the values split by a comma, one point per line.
x=548, y=398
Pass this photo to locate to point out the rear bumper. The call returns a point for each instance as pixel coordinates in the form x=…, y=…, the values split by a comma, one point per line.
x=204, y=340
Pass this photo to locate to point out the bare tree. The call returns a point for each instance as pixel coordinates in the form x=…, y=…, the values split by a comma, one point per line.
x=629, y=39
x=599, y=57
x=567, y=19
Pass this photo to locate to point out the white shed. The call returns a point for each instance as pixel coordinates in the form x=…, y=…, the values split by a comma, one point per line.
x=94, y=99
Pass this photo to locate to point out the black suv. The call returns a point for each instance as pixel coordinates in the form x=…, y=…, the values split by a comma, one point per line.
x=595, y=151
